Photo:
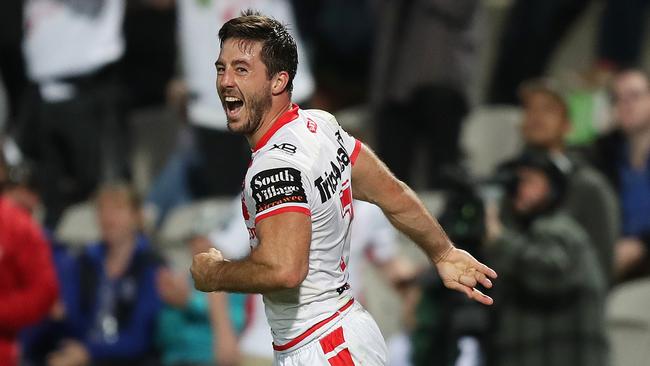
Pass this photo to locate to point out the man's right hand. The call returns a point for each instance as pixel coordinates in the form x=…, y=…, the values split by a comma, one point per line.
x=203, y=266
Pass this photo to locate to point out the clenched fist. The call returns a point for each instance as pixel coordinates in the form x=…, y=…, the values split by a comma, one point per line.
x=203, y=266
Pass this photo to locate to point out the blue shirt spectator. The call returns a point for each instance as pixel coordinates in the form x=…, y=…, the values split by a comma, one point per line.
x=114, y=318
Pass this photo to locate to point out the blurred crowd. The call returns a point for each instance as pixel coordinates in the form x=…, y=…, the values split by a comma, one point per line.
x=113, y=102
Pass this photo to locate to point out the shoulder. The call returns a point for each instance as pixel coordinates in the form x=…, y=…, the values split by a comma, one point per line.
x=321, y=116
x=589, y=180
x=17, y=223
x=291, y=146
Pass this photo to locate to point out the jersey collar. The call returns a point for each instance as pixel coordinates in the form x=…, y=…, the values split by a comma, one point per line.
x=285, y=118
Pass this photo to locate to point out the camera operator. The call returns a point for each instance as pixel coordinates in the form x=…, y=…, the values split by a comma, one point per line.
x=550, y=298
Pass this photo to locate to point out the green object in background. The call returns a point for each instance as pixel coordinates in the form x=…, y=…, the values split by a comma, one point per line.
x=582, y=109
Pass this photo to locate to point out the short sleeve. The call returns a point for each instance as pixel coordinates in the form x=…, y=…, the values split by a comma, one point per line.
x=351, y=145
x=278, y=185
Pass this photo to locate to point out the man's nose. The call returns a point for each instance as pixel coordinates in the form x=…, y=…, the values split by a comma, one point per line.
x=226, y=79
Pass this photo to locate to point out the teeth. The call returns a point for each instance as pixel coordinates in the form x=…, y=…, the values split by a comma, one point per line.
x=231, y=99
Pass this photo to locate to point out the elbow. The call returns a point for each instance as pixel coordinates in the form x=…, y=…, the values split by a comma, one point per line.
x=291, y=277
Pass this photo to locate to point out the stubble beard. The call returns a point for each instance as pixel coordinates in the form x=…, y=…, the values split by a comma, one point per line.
x=256, y=107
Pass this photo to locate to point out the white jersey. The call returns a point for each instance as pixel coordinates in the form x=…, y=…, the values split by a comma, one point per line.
x=373, y=237
x=303, y=164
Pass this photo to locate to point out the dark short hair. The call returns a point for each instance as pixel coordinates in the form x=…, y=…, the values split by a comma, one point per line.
x=279, y=51
x=546, y=87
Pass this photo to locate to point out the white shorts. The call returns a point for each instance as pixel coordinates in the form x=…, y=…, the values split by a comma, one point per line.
x=353, y=339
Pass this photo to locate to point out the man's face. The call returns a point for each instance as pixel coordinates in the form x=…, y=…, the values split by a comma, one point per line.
x=631, y=94
x=243, y=85
x=545, y=123
x=532, y=191
x=117, y=218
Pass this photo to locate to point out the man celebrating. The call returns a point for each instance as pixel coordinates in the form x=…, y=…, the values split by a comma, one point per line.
x=297, y=204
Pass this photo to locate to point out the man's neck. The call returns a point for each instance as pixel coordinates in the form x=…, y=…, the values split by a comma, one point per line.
x=119, y=255
x=639, y=147
x=277, y=109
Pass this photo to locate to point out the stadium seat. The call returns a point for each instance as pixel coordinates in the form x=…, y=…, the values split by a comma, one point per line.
x=628, y=323
x=78, y=225
x=196, y=217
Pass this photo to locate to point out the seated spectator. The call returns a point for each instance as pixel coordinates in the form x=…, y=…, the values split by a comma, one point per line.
x=590, y=200
x=551, y=288
x=111, y=302
x=195, y=328
x=28, y=285
x=624, y=157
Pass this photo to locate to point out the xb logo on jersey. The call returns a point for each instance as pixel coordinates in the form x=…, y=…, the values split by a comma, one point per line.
x=286, y=147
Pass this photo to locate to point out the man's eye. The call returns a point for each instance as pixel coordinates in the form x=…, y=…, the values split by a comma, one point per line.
x=220, y=70
x=241, y=70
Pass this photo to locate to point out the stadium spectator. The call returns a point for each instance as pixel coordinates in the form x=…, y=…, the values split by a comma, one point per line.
x=590, y=200
x=624, y=157
x=28, y=285
x=195, y=328
x=111, y=302
x=551, y=296
x=424, y=56
x=74, y=128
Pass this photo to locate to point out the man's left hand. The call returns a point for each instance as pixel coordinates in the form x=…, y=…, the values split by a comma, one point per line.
x=203, y=266
x=461, y=272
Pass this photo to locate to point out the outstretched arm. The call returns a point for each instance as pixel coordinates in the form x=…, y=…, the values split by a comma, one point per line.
x=280, y=261
x=373, y=182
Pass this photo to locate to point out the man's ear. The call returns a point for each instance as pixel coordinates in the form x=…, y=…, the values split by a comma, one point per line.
x=280, y=82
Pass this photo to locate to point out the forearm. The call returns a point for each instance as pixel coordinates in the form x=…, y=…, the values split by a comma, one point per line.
x=409, y=215
x=246, y=276
x=374, y=183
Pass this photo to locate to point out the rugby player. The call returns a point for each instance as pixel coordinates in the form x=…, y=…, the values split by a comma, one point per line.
x=297, y=203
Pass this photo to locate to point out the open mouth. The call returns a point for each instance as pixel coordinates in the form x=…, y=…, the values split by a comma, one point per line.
x=233, y=106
